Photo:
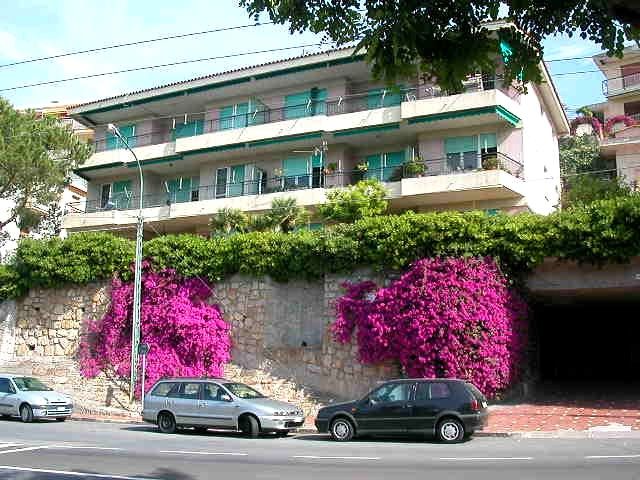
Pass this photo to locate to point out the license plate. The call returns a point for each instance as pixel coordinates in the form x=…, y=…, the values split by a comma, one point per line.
x=60, y=409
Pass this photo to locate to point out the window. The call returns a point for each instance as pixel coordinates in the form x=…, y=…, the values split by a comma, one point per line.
x=305, y=104
x=188, y=129
x=105, y=195
x=182, y=189
x=391, y=392
x=213, y=392
x=30, y=384
x=383, y=165
x=190, y=391
x=163, y=389
x=112, y=142
x=384, y=97
x=5, y=385
x=230, y=181
x=462, y=153
x=174, y=391
x=296, y=172
x=432, y=391
x=243, y=391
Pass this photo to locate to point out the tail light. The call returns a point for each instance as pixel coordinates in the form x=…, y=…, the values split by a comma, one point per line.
x=475, y=405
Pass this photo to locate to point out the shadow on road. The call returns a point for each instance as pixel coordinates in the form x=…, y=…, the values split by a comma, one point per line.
x=319, y=437
x=190, y=432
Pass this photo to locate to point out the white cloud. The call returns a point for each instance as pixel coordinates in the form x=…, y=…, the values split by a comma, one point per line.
x=9, y=47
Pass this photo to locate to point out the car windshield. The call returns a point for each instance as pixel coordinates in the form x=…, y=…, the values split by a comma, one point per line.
x=241, y=390
x=30, y=384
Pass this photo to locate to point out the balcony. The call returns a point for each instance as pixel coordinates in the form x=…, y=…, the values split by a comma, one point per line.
x=434, y=181
x=622, y=85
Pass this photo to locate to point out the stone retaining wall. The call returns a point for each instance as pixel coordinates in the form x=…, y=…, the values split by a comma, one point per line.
x=280, y=333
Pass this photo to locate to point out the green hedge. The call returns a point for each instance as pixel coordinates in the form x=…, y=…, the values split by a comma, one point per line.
x=605, y=231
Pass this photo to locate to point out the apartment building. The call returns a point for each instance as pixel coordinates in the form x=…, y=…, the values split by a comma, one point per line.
x=301, y=126
x=621, y=112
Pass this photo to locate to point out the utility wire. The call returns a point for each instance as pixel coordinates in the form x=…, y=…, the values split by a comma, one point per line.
x=150, y=67
x=139, y=42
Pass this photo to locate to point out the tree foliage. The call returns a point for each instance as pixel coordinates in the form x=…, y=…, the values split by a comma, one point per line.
x=229, y=220
x=449, y=38
x=584, y=189
x=362, y=200
x=578, y=154
x=598, y=232
x=36, y=159
x=284, y=216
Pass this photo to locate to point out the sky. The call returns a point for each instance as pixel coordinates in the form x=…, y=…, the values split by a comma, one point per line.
x=36, y=28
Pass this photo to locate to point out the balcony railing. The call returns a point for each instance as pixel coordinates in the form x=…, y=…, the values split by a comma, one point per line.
x=356, y=102
x=621, y=84
x=318, y=179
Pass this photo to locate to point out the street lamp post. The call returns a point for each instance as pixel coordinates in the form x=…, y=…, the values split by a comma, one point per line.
x=137, y=281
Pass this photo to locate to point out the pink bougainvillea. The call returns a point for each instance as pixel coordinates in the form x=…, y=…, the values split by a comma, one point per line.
x=611, y=122
x=442, y=318
x=187, y=336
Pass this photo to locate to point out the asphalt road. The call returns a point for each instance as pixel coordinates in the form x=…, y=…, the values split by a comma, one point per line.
x=75, y=450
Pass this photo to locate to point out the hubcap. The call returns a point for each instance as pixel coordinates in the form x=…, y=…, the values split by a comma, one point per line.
x=341, y=429
x=449, y=431
x=24, y=413
x=165, y=422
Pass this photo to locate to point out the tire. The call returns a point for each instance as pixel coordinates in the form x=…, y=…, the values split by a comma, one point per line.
x=450, y=430
x=341, y=430
x=167, y=423
x=6, y=415
x=61, y=419
x=200, y=429
x=282, y=433
x=249, y=426
x=26, y=413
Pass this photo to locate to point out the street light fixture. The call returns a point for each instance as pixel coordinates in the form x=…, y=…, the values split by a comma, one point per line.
x=137, y=281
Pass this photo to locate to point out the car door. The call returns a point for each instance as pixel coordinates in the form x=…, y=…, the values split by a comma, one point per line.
x=6, y=391
x=386, y=409
x=186, y=403
x=430, y=399
x=217, y=407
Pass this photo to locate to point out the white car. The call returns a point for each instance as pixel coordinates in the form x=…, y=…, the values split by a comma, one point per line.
x=30, y=399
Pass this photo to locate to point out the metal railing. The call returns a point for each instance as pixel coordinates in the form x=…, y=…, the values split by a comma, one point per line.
x=355, y=102
x=621, y=83
x=317, y=179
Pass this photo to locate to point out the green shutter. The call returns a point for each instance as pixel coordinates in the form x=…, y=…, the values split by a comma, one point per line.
x=294, y=166
x=392, y=97
x=189, y=129
x=226, y=117
x=319, y=98
x=374, y=166
x=129, y=132
x=236, y=182
x=316, y=160
x=393, y=161
x=121, y=196
x=461, y=144
x=374, y=98
x=296, y=105
x=488, y=140
x=242, y=111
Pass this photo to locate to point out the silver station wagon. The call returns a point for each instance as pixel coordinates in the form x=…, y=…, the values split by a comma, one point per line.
x=217, y=403
x=31, y=399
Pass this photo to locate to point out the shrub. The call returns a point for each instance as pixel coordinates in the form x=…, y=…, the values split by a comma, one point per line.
x=454, y=318
x=187, y=335
x=362, y=200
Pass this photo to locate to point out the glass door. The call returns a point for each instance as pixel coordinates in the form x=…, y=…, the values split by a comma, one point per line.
x=222, y=176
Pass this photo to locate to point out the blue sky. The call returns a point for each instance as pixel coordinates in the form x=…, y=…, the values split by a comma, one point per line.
x=34, y=28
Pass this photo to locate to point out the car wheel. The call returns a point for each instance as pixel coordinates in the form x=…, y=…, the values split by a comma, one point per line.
x=166, y=423
x=6, y=415
x=282, y=433
x=341, y=430
x=61, y=419
x=249, y=426
x=200, y=429
x=26, y=413
x=450, y=430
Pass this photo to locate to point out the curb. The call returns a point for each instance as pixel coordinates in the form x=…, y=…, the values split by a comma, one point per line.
x=80, y=418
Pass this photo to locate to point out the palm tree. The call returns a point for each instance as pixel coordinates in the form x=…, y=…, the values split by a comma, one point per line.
x=285, y=215
x=228, y=221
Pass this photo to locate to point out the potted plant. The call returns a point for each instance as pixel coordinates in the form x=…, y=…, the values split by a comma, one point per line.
x=278, y=172
x=331, y=168
x=490, y=161
x=362, y=167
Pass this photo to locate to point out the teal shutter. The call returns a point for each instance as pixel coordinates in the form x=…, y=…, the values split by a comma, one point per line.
x=461, y=144
x=319, y=99
x=296, y=105
x=189, y=129
x=393, y=161
x=296, y=172
x=121, y=197
x=487, y=141
x=374, y=98
x=129, y=132
x=374, y=166
x=236, y=181
x=226, y=117
x=381, y=97
x=316, y=160
x=462, y=152
x=241, y=116
x=111, y=142
x=257, y=112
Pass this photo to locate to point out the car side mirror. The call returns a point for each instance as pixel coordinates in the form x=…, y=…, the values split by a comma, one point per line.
x=225, y=397
x=371, y=401
x=12, y=390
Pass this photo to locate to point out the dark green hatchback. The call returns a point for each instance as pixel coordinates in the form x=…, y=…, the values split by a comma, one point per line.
x=449, y=409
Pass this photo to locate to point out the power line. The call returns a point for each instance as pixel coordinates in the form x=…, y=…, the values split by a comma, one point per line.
x=139, y=42
x=150, y=67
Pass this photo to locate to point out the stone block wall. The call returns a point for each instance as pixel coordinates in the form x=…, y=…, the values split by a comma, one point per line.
x=282, y=343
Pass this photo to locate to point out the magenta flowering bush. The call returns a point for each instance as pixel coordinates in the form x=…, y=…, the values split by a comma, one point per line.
x=187, y=335
x=451, y=317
